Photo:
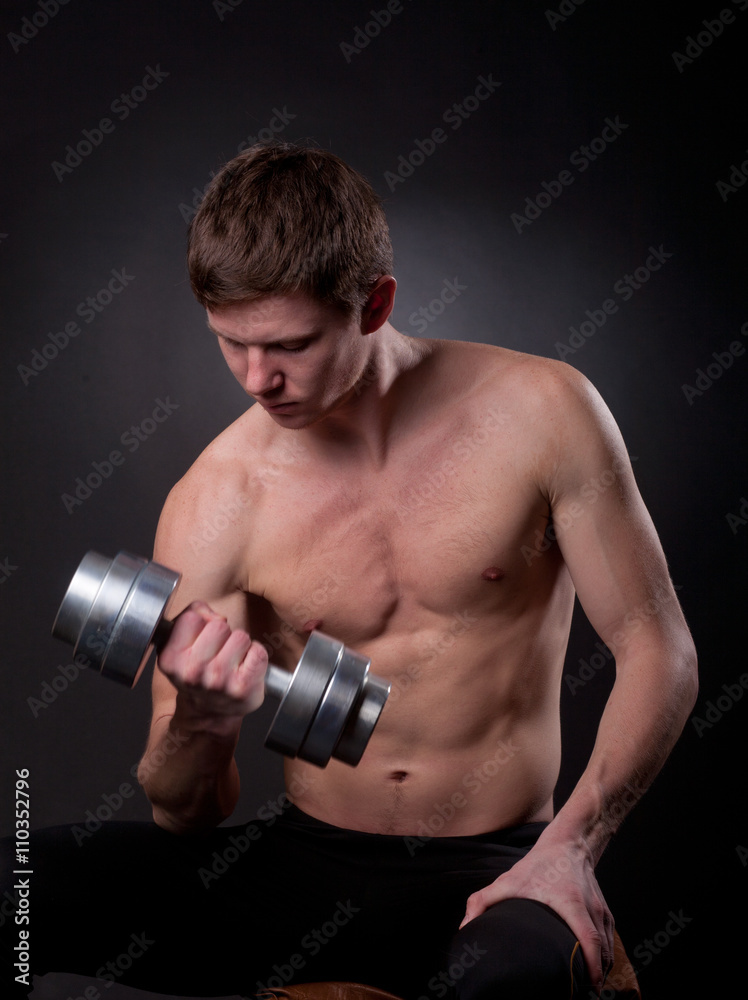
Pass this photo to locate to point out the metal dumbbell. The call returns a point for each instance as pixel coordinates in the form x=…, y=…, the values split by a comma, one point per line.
x=113, y=613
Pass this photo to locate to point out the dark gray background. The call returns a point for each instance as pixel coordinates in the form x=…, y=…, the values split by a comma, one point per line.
x=228, y=74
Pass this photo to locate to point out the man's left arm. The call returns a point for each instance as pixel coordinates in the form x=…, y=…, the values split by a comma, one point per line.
x=616, y=562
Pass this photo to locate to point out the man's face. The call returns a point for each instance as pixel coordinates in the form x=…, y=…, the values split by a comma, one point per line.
x=298, y=358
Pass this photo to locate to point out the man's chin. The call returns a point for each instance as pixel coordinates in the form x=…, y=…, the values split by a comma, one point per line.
x=292, y=417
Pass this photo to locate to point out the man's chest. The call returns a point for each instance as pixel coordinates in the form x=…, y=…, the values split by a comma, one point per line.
x=443, y=530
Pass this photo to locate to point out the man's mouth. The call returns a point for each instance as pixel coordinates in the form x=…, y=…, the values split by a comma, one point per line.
x=278, y=407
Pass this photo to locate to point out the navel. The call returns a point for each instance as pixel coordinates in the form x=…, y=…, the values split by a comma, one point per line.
x=493, y=573
x=399, y=776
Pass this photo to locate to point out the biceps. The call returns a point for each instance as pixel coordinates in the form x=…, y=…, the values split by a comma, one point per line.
x=615, y=559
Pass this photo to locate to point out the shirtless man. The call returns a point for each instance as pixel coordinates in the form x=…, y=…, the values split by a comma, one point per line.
x=436, y=505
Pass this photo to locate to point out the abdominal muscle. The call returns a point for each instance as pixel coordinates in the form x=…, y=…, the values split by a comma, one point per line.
x=472, y=745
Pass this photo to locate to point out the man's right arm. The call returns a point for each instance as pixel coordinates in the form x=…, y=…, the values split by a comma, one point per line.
x=209, y=675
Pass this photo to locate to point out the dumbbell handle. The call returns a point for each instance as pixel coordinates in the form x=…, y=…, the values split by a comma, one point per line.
x=276, y=678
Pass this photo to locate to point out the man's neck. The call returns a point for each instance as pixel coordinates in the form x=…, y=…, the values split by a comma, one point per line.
x=364, y=422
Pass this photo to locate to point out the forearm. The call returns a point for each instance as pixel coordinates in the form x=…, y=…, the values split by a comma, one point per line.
x=651, y=700
x=189, y=773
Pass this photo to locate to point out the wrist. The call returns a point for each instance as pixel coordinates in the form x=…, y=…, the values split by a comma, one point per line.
x=579, y=829
x=192, y=717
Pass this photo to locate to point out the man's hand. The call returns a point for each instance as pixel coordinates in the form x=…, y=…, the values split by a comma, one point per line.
x=561, y=875
x=218, y=672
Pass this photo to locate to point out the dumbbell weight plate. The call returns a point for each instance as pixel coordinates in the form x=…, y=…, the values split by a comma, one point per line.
x=111, y=610
x=361, y=720
x=136, y=624
x=304, y=693
x=79, y=598
x=329, y=721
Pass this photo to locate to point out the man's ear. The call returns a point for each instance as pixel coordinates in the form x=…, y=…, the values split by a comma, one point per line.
x=379, y=304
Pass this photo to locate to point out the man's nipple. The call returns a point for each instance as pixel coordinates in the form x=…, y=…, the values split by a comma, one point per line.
x=311, y=625
x=493, y=573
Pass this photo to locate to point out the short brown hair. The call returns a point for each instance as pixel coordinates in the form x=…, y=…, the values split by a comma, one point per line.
x=281, y=218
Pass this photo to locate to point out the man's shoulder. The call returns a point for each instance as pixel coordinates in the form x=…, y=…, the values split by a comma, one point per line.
x=526, y=380
x=225, y=460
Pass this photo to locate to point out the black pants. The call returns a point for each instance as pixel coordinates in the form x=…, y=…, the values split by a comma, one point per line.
x=290, y=900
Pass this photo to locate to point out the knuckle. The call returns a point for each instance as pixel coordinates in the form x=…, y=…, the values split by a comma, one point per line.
x=257, y=655
x=194, y=612
x=219, y=626
x=165, y=660
x=594, y=938
x=192, y=673
x=213, y=678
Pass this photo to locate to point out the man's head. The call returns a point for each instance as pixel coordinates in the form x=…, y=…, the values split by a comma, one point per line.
x=282, y=219
x=297, y=357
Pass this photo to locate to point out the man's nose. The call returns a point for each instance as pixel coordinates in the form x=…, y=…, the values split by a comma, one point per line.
x=262, y=374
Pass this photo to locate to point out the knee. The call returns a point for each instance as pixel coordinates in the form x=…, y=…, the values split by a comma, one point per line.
x=517, y=949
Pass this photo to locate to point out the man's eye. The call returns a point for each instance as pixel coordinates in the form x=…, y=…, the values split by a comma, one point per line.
x=295, y=348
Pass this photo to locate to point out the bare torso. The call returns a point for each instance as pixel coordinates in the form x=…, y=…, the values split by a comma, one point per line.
x=398, y=494
x=432, y=561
